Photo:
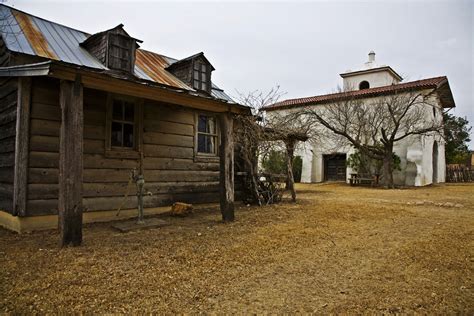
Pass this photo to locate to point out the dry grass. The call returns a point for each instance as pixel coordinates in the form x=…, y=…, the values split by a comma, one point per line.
x=339, y=249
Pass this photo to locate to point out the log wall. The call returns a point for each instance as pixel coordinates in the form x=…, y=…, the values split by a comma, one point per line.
x=171, y=171
x=8, y=102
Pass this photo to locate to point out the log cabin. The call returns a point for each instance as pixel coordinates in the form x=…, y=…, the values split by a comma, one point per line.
x=79, y=111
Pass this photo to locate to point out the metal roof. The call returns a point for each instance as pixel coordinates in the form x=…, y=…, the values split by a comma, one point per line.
x=28, y=34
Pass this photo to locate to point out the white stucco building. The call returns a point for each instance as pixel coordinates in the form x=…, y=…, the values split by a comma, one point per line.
x=422, y=156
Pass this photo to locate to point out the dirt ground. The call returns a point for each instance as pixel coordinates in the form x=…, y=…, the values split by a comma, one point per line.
x=339, y=249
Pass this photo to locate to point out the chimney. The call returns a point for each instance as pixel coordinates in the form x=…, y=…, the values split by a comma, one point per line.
x=371, y=56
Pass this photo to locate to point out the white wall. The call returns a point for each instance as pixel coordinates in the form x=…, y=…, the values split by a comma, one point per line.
x=415, y=152
x=375, y=79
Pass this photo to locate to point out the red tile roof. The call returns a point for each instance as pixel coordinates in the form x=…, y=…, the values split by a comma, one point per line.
x=412, y=85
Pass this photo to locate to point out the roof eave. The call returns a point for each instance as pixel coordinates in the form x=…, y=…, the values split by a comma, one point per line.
x=364, y=71
x=27, y=70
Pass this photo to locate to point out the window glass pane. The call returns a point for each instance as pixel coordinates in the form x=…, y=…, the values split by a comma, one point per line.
x=197, y=66
x=206, y=124
x=196, y=74
x=196, y=84
x=203, y=77
x=129, y=111
x=204, y=86
x=211, y=125
x=206, y=144
x=117, y=112
x=203, y=67
x=127, y=135
x=202, y=124
x=116, y=135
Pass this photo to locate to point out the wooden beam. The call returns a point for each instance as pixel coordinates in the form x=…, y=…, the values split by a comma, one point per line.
x=70, y=162
x=141, y=90
x=22, y=146
x=226, y=167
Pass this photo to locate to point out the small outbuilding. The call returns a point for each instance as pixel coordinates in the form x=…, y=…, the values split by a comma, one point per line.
x=79, y=112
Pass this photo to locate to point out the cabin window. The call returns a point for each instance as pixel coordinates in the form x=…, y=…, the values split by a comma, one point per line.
x=200, y=77
x=364, y=85
x=123, y=127
x=122, y=133
x=206, y=134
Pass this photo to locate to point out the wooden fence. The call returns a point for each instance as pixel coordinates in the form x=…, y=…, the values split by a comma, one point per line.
x=459, y=173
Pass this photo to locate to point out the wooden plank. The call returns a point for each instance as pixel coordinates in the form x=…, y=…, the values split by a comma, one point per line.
x=163, y=112
x=51, y=144
x=70, y=162
x=7, y=88
x=6, y=190
x=94, y=117
x=43, y=175
x=226, y=167
x=6, y=174
x=51, y=128
x=9, y=115
x=167, y=151
x=45, y=127
x=45, y=111
x=168, y=127
x=95, y=99
x=180, y=176
x=50, y=206
x=152, y=163
x=43, y=160
x=8, y=130
x=47, y=94
x=6, y=204
x=94, y=132
x=168, y=139
x=8, y=101
x=7, y=159
x=50, y=191
x=21, y=146
x=94, y=161
x=7, y=145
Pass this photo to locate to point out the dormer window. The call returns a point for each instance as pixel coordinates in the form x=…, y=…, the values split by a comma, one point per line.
x=195, y=71
x=200, y=78
x=364, y=85
x=114, y=48
x=121, y=52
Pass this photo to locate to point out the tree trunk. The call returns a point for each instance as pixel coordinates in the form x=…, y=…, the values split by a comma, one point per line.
x=290, y=149
x=388, y=168
x=70, y=162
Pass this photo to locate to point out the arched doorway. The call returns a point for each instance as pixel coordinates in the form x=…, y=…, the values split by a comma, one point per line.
x=435, y=162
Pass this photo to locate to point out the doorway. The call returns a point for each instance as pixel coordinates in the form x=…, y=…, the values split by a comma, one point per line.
x=335, y=167
x=435, y=162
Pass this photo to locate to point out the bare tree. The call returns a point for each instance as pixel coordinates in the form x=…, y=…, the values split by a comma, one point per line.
x=375, y=125
x=257, y=136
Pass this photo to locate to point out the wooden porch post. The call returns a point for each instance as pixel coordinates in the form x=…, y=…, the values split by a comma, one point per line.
x=227, y=167
x=20, y=179
x=70, y=162
x=290, y=149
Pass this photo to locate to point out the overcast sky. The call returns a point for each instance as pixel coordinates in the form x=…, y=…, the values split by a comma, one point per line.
x=300, y=46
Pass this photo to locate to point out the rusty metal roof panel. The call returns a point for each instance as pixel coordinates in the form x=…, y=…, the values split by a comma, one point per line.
x=28, y=34
x=153, y=65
